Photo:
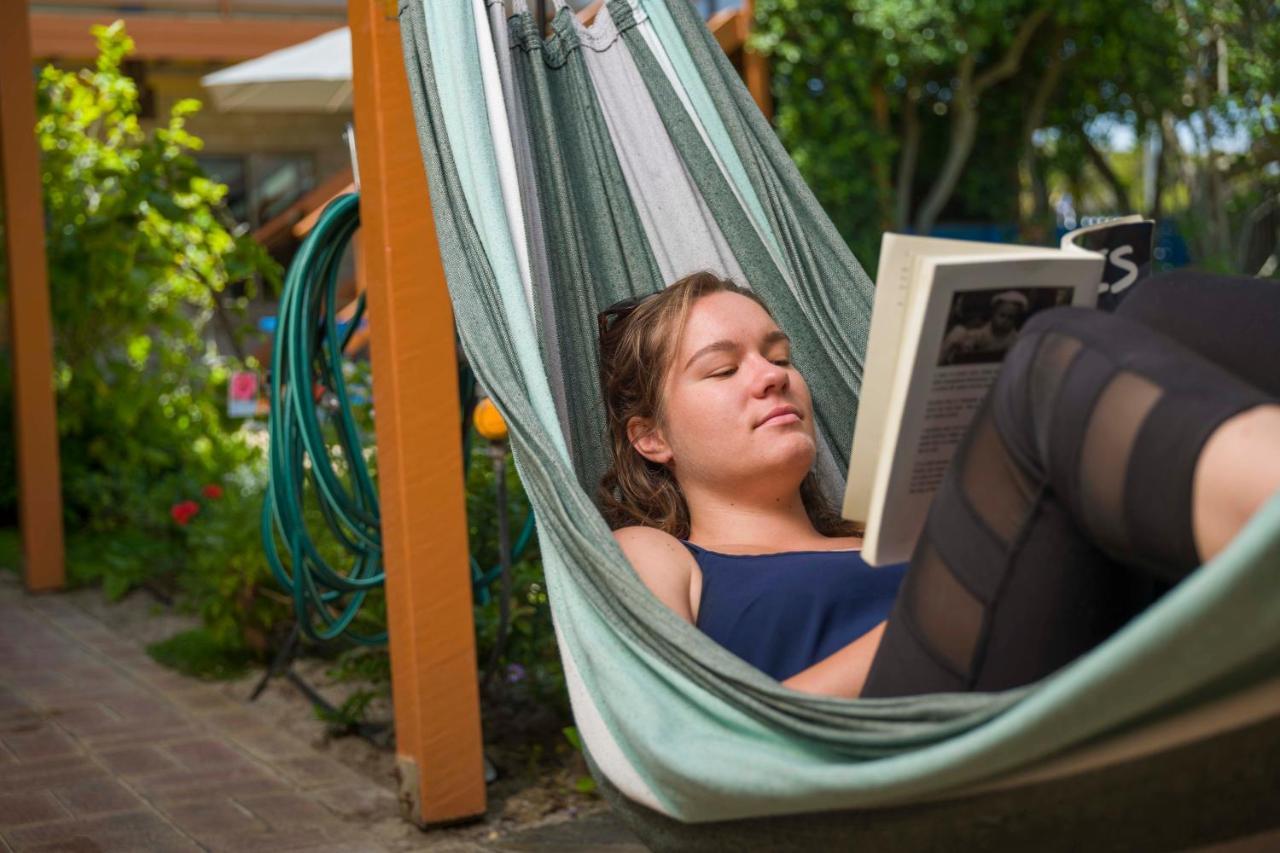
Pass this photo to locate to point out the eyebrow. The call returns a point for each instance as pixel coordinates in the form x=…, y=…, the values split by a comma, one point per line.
x=729, y=346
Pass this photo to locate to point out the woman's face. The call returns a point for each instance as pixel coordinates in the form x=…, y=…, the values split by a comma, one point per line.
x=736, y=413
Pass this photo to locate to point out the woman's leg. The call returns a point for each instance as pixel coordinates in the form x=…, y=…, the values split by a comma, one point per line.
x=1238, y=471
x=1080, y=467
x=1230, y=320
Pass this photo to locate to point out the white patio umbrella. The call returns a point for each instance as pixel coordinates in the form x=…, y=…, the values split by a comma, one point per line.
x=314, y=76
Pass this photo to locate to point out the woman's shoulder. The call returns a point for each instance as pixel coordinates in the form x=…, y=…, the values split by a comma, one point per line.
x=651, y=543
x=663, y=562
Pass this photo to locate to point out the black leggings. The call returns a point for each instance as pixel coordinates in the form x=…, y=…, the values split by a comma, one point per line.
x=1067, y=508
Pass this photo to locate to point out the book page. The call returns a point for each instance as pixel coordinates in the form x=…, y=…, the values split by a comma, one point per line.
x=894, y=275
x=956, y=334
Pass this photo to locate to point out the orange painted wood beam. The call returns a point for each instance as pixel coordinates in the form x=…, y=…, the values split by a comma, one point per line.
x=435, y=688
x=755, y=67
x=30, y=327
x=732, y=30
x=725, y=25
x=213, y=39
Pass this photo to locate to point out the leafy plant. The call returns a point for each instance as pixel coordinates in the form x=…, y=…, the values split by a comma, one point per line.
x=200, y=654
x=528, y=665
x=584, y=784
x=141, y=257
x=225, y=575
x=369, y=669
x=10, y=550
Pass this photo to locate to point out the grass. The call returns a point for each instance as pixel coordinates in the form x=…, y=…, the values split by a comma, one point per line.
x=10, y=550
x=195, y=653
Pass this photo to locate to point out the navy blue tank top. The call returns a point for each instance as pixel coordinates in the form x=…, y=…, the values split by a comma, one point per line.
x=784, y=612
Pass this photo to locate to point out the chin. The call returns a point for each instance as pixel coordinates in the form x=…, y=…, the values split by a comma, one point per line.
x=796, y=451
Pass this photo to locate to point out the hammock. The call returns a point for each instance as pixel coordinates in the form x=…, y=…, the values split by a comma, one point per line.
x=601, y=162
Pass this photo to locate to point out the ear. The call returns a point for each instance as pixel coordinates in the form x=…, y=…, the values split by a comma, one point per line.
x=648, y=440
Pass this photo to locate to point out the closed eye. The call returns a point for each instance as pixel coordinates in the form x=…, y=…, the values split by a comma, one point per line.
x=729, y=371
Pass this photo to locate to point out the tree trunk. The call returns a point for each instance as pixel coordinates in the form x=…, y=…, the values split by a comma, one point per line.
x=964, y=116
x=907, y=158
x=881, y=164
x=964, y=130
x=1156, y=150
x=1036, y=215
x=1119, y=191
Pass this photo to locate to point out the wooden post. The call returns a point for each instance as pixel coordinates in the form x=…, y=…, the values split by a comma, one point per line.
x=755, y=68
x=31, y=337
x=415, y=393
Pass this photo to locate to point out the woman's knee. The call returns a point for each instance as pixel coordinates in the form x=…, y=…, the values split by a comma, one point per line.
x=1025, y=393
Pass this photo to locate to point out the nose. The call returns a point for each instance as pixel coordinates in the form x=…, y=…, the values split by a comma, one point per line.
x=769, y=377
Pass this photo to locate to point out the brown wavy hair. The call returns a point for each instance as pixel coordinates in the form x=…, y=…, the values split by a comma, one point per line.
x=635, y=354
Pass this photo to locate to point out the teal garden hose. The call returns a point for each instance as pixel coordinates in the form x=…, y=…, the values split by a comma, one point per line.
x=316, y=449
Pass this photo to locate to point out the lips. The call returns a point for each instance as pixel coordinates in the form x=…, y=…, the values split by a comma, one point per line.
x=781, y=415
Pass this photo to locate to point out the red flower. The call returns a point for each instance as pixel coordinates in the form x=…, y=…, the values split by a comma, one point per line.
x=212, y=491
x=183, y=511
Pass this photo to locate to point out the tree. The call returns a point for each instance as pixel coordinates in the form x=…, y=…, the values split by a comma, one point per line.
x=903, y=112
x=863, y=71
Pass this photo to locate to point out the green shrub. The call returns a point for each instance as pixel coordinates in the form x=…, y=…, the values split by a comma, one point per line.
x=142, y=256
x=199, y=654
x=225, y=576
x=528, y=668
x=10, y=550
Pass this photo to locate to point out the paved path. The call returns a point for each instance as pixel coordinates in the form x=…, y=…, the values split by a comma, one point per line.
x=102, y=749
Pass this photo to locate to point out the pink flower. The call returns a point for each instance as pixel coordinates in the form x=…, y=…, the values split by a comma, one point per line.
x=212, y=491
x=183, y=511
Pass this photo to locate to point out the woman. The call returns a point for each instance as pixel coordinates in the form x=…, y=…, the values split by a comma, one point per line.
x=1107, y=462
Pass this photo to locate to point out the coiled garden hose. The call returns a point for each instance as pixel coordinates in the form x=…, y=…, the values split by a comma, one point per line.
x=316, y=451
x=306, y=356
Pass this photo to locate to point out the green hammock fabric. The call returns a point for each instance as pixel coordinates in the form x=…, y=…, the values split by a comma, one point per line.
x=601, y=162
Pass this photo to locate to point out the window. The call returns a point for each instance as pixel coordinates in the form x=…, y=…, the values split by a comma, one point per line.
x=261, y=186
x=279, y=181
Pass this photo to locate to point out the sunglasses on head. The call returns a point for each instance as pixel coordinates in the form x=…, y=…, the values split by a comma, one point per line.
x=619, y=311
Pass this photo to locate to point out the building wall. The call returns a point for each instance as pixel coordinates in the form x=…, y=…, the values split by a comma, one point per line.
x=318, y=134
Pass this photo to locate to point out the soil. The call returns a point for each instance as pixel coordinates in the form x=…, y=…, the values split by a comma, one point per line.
x=538, y=770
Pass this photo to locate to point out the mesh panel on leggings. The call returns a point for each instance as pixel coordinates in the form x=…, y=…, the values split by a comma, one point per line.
x=994, y=485
x=1118, y=414
x=1076, y=470
x=947, y=615
x=1053, y=358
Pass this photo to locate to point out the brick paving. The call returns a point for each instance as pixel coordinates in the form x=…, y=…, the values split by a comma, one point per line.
x=102, y=749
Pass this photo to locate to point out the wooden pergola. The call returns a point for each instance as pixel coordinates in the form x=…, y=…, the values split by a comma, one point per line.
x=30, y=334
x=424, y=526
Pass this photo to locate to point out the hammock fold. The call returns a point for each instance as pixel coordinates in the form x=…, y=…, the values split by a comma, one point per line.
x=606, y=161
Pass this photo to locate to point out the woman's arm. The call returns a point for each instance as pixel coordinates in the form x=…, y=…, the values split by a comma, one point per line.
x=663, y=563
x=841, y=673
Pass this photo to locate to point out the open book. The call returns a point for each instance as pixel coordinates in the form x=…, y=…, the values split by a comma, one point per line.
x=945, y=313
